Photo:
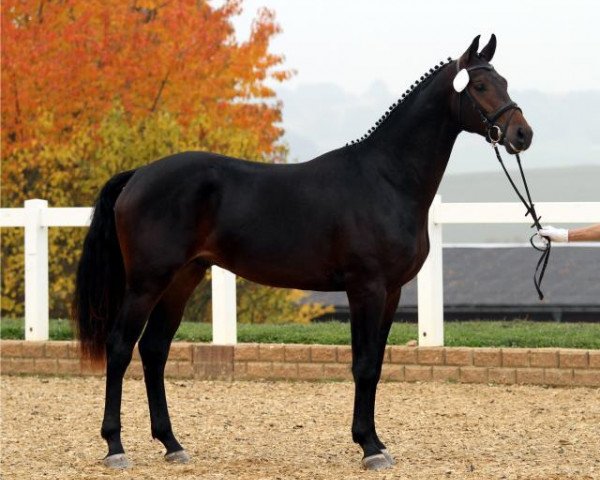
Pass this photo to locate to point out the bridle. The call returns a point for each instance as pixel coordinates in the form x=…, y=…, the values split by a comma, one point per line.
x=496, y=134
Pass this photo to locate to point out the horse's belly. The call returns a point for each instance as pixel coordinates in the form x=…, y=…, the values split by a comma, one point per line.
x=284, y=275
x=290, y=262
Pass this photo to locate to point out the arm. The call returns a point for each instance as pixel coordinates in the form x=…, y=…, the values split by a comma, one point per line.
x=584, y=234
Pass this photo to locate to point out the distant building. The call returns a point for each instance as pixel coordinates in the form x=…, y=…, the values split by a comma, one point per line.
x=497, y=283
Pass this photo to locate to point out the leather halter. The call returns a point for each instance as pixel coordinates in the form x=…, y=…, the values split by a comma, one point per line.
x=495, y=133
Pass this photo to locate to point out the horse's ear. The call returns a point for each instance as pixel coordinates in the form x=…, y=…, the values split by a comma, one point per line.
x=487, y=53
x=466, y=57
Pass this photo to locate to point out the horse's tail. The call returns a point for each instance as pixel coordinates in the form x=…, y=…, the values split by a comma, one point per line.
x=100, y=282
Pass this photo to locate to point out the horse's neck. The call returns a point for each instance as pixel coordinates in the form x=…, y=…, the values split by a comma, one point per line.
x=417, y=143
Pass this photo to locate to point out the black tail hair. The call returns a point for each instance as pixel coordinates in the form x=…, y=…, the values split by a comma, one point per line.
x=100, y=275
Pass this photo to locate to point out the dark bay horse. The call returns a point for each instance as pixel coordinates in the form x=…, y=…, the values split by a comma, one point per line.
x=353, y=219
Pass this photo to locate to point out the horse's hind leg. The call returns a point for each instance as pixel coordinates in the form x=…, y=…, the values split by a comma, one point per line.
x=134, y=312
x=154, y=350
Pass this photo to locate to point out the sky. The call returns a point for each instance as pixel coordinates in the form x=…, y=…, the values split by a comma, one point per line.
x=354, y=58
x=549, y=45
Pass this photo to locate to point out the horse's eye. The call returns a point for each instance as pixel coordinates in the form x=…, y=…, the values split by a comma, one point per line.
x=480, y=87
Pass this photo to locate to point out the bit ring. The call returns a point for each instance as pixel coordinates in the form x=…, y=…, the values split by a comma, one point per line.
x=498, y=130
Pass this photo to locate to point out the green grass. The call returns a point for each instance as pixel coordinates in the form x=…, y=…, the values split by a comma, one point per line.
x=515, y=333
x=14, y=329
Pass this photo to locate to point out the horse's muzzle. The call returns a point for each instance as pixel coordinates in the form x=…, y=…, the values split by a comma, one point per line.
x=518, y=138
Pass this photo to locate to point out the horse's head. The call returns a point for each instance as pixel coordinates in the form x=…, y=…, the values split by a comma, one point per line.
x=483, y=105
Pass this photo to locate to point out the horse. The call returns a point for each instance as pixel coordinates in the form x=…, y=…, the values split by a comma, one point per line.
x=352, y=219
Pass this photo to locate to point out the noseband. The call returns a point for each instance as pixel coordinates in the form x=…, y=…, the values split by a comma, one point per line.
x=495, y=133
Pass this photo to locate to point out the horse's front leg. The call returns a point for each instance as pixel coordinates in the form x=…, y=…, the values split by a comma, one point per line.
x=370, y=323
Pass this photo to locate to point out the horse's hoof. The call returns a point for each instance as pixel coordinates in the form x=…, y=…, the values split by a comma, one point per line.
x=180, y=456
x=376, y=462
x=118, y=460
x=388, y=456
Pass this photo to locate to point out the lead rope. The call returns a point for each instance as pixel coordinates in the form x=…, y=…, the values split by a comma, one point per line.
x=542, y=263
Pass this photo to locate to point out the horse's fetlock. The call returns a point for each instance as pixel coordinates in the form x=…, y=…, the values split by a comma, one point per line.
x=110, y=431
x=361, y=435
x=162, y=434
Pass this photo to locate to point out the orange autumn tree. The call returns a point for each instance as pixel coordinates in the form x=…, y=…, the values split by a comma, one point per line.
x=75, y=59
x=92, y=88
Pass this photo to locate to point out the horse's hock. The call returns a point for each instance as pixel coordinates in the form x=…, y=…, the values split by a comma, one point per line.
x=546, y=366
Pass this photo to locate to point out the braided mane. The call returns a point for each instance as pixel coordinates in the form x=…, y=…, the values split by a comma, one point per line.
x=416, y=86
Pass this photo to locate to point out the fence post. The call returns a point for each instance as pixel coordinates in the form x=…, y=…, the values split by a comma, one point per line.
x=430, y=286
x=36, y=271
x=224, y=307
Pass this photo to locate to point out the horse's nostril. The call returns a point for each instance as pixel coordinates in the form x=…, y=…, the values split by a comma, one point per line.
x=521, y=133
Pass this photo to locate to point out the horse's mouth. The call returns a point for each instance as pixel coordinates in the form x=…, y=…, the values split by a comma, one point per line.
x=511, y=149
x=508, y=145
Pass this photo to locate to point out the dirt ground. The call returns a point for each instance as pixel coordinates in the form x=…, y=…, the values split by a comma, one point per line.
x=279, y=430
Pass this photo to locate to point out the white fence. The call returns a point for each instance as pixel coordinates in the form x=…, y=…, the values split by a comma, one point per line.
x=36, y=217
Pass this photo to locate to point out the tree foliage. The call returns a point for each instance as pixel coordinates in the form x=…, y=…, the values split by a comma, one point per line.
x=93, y=88
x=75, y=59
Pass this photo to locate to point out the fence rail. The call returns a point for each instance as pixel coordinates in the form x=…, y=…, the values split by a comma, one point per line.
x=36, y=218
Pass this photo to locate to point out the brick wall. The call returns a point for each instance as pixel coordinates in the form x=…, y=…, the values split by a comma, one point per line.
x=324, y=362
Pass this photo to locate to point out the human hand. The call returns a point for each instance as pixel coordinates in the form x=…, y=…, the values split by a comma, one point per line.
x=555, y=234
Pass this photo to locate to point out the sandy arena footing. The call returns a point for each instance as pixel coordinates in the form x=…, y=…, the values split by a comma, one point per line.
x=299, y=430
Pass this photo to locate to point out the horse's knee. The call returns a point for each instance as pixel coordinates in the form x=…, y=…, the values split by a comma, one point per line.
x=365, y=371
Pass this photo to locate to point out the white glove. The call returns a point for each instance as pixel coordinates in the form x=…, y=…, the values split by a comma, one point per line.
x=555, y=234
